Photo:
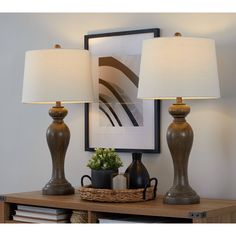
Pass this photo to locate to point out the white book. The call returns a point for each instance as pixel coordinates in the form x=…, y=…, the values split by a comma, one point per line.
x=111, y=221
x=40, y=209
x=139, y=220
x=42, y=215
x=35, y=220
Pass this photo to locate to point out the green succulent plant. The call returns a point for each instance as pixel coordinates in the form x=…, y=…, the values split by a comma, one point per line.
x=105, y=159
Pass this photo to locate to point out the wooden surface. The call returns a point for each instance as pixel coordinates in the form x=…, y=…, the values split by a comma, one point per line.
x=58, y=138
x=179, y=137
x=5, y=210
x=207, y=211
x=1, y=212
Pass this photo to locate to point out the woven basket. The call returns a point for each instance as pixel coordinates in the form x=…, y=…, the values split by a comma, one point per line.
x=124, y=195
x=79, y=217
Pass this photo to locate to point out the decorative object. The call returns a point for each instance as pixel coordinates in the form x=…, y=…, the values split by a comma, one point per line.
x=79, y=217
x=100, y=178
x=118, y=119
x=138, y=174
x=104, y=163
x=120, y=195
x=105, y=159
x=179, y=67
x=57, y=76
x=120, y=181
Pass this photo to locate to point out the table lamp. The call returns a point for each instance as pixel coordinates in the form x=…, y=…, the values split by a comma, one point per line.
x=179, y=68
x=57, y=76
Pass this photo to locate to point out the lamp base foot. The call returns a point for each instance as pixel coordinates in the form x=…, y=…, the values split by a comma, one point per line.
x=58, y=189
x=181, y=196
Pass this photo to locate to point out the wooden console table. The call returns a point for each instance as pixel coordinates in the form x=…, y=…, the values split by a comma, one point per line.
x=208, y=211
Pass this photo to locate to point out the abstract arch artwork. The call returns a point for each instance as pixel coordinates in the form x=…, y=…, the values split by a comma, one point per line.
x=118, y=119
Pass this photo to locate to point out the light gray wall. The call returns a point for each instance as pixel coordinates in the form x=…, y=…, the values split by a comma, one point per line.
x=25, y=162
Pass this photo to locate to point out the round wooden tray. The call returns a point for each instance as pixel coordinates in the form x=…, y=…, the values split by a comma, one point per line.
x=124, y=195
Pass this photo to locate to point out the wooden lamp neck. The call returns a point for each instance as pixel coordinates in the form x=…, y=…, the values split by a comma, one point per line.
x=58, y=104
x=179, y=100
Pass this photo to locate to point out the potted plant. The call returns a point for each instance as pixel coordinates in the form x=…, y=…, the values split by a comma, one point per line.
x=104, y=163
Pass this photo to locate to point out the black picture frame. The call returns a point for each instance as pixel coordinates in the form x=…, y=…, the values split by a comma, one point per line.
x=157, y=104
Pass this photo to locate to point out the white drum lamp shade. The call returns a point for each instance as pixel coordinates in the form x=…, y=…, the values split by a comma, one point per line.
x=57, y=75
x=178, y=67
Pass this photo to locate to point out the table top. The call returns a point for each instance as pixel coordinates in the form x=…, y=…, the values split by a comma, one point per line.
x=209, y=207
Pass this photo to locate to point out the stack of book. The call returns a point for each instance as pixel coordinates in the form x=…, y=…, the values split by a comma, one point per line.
x=33, y=214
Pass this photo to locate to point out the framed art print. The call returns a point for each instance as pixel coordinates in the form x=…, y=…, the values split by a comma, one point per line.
x=118, y=119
